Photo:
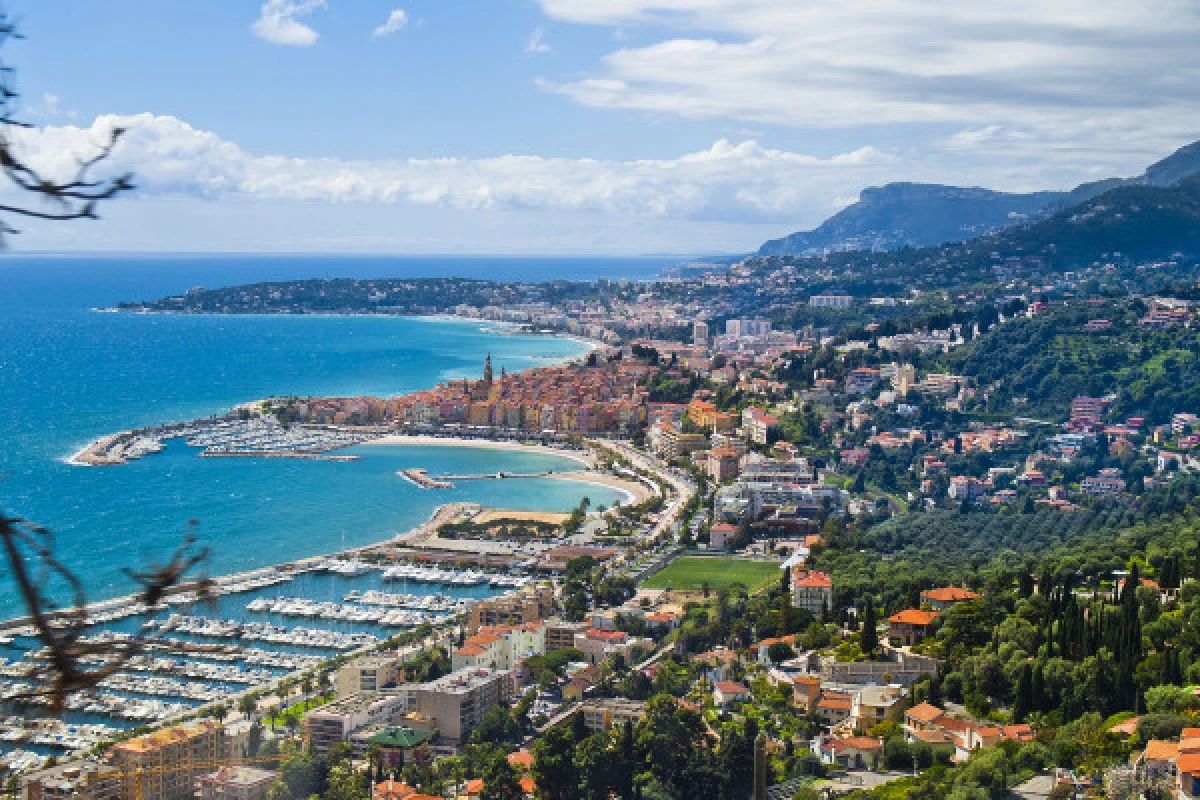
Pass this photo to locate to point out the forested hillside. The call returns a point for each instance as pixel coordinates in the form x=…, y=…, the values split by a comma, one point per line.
x=1037, y=365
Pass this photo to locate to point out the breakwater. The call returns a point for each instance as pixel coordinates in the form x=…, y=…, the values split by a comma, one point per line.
x=238, y=434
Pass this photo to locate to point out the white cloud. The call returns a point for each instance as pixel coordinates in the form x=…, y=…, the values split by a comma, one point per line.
x=1066, y=72
x=536, y=43
x=730, y=195
x=394, y=22
x=277, y=22
x=728, y=181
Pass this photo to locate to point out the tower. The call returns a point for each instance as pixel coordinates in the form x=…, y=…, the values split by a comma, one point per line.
x=487, y=370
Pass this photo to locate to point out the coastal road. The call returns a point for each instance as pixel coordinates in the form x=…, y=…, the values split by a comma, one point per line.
x=683, y=487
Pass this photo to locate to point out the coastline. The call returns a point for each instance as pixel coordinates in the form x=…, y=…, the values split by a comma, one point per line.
x=405, y=440
x=96, y=453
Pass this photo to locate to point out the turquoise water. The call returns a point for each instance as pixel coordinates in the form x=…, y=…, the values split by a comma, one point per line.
x=69, y=374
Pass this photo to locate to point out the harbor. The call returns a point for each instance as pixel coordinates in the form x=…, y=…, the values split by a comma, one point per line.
x=233, y=435
x=193, y=651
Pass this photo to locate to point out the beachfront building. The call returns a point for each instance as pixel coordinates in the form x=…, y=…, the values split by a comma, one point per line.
x=164, y=765
x=367, y=674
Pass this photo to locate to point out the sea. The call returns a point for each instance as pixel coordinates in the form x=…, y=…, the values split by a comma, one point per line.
x=69, y=374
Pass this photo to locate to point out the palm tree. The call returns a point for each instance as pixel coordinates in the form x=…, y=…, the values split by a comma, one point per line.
x=273, y=716
x=247, y=705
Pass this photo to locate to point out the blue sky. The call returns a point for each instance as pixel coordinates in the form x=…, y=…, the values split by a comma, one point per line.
x=579, y=126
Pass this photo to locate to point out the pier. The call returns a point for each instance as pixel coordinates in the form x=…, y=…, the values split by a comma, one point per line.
x=301, y=454
x=421, y=478
x=496, y=476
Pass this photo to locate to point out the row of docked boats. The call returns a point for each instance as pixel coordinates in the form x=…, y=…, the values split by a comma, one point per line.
x=302, y=607
x=452, y=577
x=433, y=603
x=265, y=435
x=346, y=567
x=100, y=703
x=315, y=638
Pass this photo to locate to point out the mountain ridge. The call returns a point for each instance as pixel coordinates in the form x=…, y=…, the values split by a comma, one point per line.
x=907, y=214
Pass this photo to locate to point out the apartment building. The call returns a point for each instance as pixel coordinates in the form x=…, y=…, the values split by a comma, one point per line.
x=235, y=783
x=456, y=703
x=812, y=591
x=333, y=723
x=830, y=301
x=500, y=646
x=367, y=674
x=602, y=714
x=169, y=760
x=78, y=780
x=560, y=634
x=528, y=605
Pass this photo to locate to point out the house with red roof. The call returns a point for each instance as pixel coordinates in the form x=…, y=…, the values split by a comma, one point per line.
x=729, y=693
x=855, y=752
x=941, y=599
x=812, y=591
x=906, y=628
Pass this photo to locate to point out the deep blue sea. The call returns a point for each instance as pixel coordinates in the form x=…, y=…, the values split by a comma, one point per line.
x=69, y=375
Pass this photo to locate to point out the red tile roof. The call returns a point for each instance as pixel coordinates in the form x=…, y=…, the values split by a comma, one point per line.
x=949, y=594
x=924, y=712
x=731, y=687
x=913, y=616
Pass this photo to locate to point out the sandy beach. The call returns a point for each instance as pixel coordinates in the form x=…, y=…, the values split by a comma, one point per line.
x=633, y=491
x=583, y=457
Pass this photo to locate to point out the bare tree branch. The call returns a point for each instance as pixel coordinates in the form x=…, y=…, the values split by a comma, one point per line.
x=29, y=550
x=74, y=198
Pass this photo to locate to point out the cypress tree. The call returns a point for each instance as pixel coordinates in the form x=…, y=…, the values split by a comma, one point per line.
x=1037, y=689
x=868, y=639
x=1025, y=585
x=1023, y=700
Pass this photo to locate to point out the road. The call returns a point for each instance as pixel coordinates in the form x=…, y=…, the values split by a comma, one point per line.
x=682, y=486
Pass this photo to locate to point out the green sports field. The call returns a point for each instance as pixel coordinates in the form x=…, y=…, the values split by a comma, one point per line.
x=691, y=572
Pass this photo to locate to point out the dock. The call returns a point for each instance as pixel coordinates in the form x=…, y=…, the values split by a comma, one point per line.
x=300, y=454
x=421, y=478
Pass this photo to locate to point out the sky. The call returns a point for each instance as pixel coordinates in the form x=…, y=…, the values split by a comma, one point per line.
x=576, y=126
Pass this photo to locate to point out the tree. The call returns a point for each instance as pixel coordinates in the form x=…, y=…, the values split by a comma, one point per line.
x=669, y=736
x=868, y=638
x=597, y=762
x=1023, y=701
x=554, y=764
x=780, y=651
x=247, y=705
x=500, y=780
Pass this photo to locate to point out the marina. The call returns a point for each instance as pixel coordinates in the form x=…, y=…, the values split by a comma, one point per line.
x=230, y=435
x=195, y=652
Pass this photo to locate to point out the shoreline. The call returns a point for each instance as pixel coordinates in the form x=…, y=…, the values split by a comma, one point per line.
x=422, y=440
x=95, y=453
x=496, y=326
